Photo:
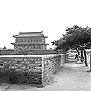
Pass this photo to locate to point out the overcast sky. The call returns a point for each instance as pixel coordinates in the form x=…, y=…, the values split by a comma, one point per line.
x=51, y=16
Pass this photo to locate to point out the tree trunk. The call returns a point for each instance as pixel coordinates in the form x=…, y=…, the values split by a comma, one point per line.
x=85, y=58
x=90, y=61
x=66, y=59
x=77, y=51
x=81, y=55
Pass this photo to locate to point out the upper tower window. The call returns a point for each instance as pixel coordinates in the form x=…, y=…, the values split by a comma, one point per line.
x=40, y=40
x=24, y=40
x=21, y=40
x=28, y=40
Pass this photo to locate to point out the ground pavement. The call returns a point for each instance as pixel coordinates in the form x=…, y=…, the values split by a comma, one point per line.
x=71, y=77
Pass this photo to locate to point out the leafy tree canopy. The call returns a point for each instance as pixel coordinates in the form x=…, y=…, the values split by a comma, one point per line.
x=21, y=50
x=75, y=37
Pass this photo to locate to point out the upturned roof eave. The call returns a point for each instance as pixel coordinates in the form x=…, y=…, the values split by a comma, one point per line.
x=17, y=36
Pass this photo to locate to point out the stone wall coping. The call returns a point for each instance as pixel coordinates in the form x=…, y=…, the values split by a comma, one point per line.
x=30, y=55
x=61, y=54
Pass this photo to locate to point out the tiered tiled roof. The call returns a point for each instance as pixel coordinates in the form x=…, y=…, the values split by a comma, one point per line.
x=30, y=34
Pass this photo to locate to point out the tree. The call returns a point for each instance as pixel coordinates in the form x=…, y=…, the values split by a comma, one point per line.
x=4, y=48
x=55, y=42
x=21, y=50
x=77, y=38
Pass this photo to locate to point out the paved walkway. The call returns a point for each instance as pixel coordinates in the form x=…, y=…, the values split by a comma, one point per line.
x=71, y=77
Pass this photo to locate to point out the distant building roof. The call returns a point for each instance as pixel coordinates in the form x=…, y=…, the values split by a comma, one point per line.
x=29, y=43
x=30, y=34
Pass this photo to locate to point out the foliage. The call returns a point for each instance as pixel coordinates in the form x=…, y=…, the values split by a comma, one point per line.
x=4, y=48
x=28, y=50
x=75, y=37
x=21, y=50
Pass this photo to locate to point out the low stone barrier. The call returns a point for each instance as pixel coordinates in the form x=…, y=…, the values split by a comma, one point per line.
x=31, y=69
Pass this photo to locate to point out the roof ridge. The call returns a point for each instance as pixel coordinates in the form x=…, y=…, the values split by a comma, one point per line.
x=29, y=32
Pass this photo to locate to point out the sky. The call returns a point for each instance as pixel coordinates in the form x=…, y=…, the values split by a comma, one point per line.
x=50, y=16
